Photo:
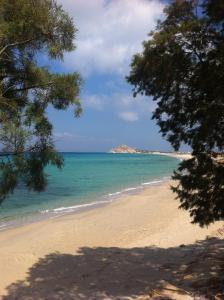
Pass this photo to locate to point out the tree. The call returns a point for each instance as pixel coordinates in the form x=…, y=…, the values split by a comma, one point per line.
x=28, y=30
x=182, y=68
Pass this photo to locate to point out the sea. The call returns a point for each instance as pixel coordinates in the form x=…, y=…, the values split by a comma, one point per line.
x=86, y=180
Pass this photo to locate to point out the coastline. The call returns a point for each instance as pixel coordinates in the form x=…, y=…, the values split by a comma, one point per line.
x=68, y=201
x=174, y=154
x=150, y=218
x=180, y=156
x=58, y=212
x=124, y=149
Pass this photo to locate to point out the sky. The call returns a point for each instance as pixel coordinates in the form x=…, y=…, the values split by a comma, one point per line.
x=110, y=32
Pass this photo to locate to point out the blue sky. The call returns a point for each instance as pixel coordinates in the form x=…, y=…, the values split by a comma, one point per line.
x=110, y=32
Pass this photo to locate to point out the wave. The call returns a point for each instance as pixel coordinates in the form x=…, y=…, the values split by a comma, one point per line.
x=72, y=208
x=3, y=226
x=59, y=211
x=109, y=198
x=152, y=182
x=130, y=189
x=122, y=191
x=114, y=194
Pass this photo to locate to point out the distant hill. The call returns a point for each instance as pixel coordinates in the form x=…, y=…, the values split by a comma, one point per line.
x=123, y=149
x=127, y=149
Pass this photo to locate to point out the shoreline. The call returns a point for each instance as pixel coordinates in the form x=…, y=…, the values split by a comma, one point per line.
x=79, y=208
x=57, y=212
x=148, y=218
x=174, y=154
x=177, y=155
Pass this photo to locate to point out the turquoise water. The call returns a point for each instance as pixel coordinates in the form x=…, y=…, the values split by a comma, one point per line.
x=85, y=180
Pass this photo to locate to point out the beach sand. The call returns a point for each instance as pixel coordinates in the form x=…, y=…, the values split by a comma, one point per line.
x=178, y=155
x=138, y=246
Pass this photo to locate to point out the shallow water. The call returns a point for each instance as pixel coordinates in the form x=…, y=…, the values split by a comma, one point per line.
x=87, y=179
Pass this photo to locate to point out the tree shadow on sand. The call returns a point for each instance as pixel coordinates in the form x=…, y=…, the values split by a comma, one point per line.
x=117, y=273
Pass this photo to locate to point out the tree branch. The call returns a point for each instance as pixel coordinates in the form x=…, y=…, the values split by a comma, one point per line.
x=28, y=87
x=13, y=45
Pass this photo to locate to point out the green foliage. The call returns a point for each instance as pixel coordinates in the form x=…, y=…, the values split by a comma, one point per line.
x=182, y=68
x=27, y=29
x=201, y=188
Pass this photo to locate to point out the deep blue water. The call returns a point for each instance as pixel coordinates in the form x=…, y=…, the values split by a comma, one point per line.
x=87, y=178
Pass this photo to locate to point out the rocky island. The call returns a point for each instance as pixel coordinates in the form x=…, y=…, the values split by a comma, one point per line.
x=126, y=149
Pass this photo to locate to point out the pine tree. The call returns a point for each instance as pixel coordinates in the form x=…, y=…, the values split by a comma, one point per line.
x=182, y=68
x=29, y=29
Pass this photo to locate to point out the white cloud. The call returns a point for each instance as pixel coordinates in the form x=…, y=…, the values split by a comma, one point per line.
x=122, y=104
x=128, y=116
x=144, y=105
x=110, y=32
x=94, y=101
x=64, y=135
x=73, y=137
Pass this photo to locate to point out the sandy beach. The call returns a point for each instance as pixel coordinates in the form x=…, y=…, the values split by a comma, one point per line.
x=124, y=250
x=178, y=155
x=106, y=108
